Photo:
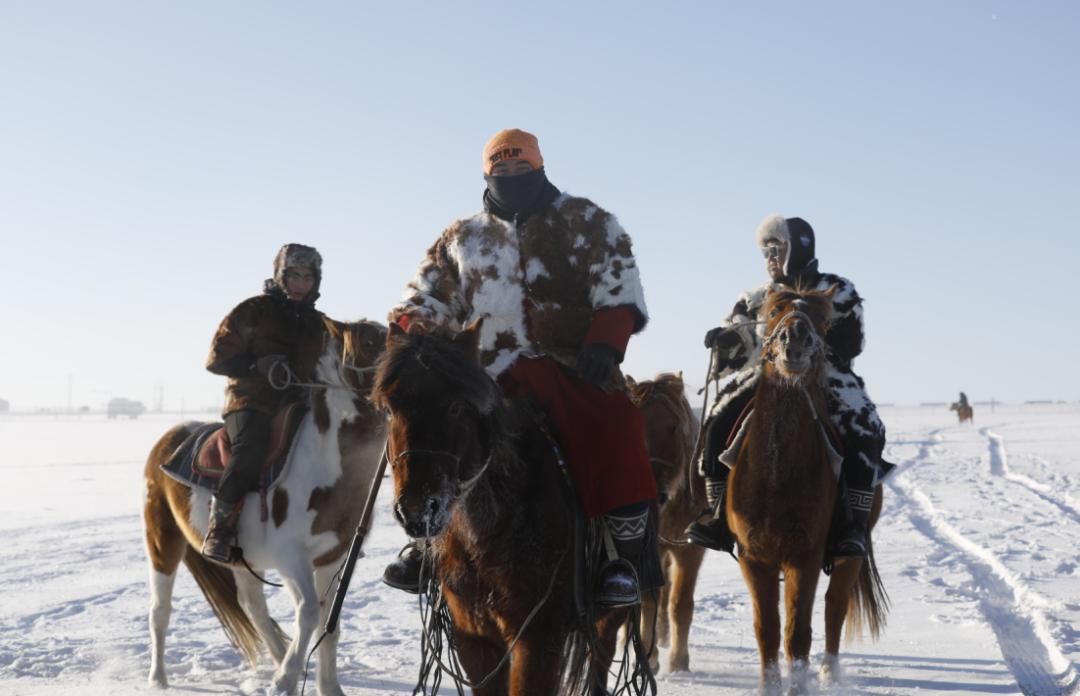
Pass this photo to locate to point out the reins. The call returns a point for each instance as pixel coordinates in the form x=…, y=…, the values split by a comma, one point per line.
x=290, y=379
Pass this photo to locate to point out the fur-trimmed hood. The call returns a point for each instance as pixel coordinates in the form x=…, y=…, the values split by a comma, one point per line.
x=796, y=233
x=296, y=256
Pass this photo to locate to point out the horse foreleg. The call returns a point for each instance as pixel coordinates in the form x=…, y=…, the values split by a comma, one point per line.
x=800, y=584
x=534, y=667
x=300, y=582
x=252, y=598
x=837, y=599
x=763, y=581
x=682, y=581
x=326, y=683
x=480, y=657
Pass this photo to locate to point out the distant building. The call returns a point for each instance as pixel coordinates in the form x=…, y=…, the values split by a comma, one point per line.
x=124, y=407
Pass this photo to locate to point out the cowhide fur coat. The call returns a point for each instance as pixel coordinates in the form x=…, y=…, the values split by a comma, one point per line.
x=536, y=285
x=850, y=408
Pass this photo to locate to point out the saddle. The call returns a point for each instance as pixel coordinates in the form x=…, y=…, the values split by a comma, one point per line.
x=201, y=459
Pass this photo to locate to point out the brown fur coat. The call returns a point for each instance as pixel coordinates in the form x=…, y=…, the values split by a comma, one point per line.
x=536, y=285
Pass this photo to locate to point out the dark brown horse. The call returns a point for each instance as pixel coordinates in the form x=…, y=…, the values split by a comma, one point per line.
x=477, y=476
x=963, y=412
x=670, y=431
x=781, y=498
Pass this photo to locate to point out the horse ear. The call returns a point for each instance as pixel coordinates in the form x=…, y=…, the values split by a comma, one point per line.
x=469, y=338
x=395, y=334
x=630, y=381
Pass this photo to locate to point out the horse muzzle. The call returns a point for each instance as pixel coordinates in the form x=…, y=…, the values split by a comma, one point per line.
x=425, y=520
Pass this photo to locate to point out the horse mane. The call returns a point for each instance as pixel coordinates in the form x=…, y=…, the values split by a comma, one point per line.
x=459, y=370
x=438, y=355
x=665, y=382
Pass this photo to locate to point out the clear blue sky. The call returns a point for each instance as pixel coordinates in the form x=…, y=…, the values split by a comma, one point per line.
x=154, y=155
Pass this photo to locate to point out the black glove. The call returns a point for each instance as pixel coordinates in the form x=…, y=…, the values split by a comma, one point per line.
x=266, y=363
x=596, y=361
x=722, y=337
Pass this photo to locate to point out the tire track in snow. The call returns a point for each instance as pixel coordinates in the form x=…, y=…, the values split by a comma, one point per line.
x=999, y=466
x=1013, y=611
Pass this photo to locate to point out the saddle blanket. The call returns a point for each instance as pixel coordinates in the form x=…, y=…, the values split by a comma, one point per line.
x=201, y=458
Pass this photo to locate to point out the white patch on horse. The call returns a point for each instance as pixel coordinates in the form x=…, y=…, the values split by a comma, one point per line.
x=535, y=269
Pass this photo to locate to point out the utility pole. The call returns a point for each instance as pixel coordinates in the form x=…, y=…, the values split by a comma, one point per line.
x=69, y=407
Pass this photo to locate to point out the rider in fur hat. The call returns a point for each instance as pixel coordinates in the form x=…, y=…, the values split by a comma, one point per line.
x=279, y=327
x=788, y=247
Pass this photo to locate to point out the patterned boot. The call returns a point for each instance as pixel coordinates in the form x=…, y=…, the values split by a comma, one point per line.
x=713, y=533
x=619, y=585
x=852, y=541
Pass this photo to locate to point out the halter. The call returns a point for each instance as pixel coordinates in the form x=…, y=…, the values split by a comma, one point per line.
x=464, y=487
x=798, y=314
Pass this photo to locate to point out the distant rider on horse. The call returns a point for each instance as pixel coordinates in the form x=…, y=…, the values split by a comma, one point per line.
x=788, y=247
x=259, y=338
x=555, y=281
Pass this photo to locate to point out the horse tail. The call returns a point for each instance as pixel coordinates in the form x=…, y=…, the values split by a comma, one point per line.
x=219, y=587
x=869, y=603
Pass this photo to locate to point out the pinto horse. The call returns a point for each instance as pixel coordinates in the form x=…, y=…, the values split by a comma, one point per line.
x=670, y=430
x=478, y=476
x=964, y=413
x=781, y=497
x=314, y=511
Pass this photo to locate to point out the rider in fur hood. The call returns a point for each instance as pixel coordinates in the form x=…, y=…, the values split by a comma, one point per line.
x=279, y=327
x=555, y=281
x=788, y=247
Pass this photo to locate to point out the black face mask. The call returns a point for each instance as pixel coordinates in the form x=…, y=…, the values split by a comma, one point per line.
x=515, y=195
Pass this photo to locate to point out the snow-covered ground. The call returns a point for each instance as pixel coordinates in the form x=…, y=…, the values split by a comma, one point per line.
x=978, y=548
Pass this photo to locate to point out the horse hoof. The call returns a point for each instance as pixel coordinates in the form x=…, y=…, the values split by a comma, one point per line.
x=157, y=680
x=332, y=690
x=284, y=683
x=679, y=663
x=830, y=675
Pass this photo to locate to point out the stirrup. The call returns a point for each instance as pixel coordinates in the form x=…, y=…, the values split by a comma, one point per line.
x=713, y=534
x=852, y=545
x=610, y=596
x=404, y=573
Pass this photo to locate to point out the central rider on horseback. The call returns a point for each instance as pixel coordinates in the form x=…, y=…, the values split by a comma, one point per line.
x=555, y=281
x=260, y=335
x=788, y=247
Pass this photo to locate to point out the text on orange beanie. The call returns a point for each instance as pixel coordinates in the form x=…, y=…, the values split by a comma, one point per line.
x=512, y=144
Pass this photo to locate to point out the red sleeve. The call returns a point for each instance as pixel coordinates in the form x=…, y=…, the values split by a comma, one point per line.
x=613, y=326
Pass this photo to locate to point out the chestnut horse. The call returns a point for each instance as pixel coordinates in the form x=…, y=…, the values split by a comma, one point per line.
x=315, y=508
x=670, y=431
x=964, y=413
x=781, y=496
x=478, y=476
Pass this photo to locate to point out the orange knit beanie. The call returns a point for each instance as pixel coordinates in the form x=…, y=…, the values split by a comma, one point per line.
x=512, y=144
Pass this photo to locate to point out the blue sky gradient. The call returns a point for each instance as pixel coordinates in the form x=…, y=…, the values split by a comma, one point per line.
x=155, y=155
